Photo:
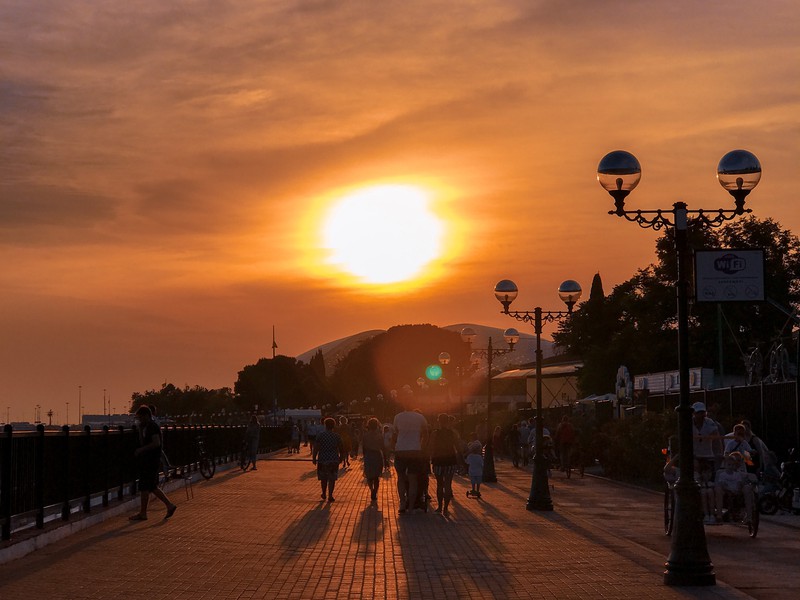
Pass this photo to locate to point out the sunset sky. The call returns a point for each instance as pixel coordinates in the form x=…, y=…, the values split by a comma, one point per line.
x=168, y=169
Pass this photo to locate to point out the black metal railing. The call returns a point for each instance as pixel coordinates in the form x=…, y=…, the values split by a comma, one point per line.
x=47, y=474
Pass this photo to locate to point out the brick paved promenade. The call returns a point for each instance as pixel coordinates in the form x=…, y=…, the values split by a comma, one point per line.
x=267, y=534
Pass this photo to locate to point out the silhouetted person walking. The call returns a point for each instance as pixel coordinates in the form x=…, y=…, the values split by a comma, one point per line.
x=148, y=461
x=373, y=456
x=328, y=453
x=411, y=431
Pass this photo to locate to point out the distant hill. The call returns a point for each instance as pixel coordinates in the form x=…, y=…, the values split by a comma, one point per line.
x=524, y=351
x=333, y=352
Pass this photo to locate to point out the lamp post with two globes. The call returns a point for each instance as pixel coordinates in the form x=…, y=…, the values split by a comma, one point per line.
x=570, y=292
x=511, y=337
x=738, y=172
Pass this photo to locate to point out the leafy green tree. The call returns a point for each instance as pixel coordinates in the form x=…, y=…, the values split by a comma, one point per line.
x=636, y=324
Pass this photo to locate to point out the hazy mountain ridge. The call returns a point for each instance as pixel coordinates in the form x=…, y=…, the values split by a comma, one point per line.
x=524, y=351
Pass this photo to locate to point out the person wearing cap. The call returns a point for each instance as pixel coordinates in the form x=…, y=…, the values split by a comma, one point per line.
x=705, y=434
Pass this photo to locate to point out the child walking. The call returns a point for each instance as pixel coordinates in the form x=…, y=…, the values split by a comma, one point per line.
x=475, y=463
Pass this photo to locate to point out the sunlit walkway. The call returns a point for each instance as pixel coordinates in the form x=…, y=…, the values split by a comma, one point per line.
x=267, y=534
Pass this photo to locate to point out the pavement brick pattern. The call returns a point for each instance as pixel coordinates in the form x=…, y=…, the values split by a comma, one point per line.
x=267, y=534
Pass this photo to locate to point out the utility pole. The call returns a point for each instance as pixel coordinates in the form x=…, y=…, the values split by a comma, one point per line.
x=274, y=379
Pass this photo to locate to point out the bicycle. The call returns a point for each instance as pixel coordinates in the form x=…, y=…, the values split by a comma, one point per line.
x=204, y=459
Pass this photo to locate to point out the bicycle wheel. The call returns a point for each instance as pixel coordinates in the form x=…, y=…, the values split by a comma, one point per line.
x=669, y=509
x=207, y=467
x=768, y=505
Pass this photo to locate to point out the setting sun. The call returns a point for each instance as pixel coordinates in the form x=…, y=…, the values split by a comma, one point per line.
x=383, y=234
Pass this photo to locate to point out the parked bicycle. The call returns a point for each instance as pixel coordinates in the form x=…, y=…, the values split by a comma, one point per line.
x=204, y=459
x=778, y=490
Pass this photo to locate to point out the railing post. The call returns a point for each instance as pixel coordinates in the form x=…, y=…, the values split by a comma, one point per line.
x=5, y=482
x=106, y=465
x=86, y=469
x=730, y=402
x=198, y=432
x=120, y=463
x=38, y=476
x=134, y=480
x=65, y=474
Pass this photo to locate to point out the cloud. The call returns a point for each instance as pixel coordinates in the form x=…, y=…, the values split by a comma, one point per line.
x=51, y=209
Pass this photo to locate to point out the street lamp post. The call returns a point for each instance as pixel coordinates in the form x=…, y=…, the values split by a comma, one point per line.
x=444, y=360
x=569, y=292
x=460, y=371
x=738, y=172
x=511, y=337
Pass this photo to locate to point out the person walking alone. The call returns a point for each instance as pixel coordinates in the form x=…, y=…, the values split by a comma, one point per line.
x=372, y=443
x=328, y=453
x=148, y=461
x=565, y=440
x=251, y=438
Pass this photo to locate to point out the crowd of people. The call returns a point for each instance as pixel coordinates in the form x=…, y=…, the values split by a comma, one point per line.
x=421, y=452
x=520, y=442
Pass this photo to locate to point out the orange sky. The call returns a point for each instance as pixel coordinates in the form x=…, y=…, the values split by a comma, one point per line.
x=164, y=167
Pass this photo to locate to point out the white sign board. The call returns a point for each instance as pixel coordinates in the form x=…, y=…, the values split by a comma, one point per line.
x=729, y=275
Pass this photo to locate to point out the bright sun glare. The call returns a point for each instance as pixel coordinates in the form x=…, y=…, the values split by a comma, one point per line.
x=383, y=234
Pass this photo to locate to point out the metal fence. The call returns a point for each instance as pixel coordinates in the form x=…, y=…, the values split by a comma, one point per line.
x=772, y=408
x=50, y=475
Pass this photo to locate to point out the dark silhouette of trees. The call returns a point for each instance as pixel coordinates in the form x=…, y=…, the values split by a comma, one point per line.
x=317, y=364
x=294, y=383
x=392, y=359
x=172, y=401
x=636, y=324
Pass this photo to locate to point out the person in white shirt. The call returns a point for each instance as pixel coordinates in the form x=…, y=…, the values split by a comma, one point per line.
x=410, y=433
x=705, y=434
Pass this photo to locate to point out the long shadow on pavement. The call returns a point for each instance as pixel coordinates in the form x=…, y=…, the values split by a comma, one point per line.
x=306, y=532
x=463, y=551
